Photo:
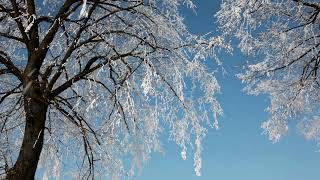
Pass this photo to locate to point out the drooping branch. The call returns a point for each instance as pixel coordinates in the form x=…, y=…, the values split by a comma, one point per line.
x=283, y=38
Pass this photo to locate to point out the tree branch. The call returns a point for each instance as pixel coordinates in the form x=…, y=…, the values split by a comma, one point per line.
x=7, y=35
x=63, y=13
x=313, y=5
x=15, y=16
x=4, y=71
x=5, y=60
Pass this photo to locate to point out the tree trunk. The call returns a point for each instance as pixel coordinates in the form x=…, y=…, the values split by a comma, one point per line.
x=26, y=164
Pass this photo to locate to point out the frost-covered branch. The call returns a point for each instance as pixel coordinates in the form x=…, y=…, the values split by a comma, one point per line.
x=284, y=36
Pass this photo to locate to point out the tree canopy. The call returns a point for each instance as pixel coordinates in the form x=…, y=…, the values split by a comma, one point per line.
x=95, y=82
x=283, y=37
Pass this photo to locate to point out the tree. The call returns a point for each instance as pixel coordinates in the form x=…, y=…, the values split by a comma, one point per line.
x=284, y=38
x=95, y=82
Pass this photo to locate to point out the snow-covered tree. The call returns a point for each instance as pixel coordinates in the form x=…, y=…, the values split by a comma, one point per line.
x=90, y=85
x=283, y=36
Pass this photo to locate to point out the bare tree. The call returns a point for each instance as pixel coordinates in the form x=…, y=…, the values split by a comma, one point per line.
x=94, y=82
x=284, y=38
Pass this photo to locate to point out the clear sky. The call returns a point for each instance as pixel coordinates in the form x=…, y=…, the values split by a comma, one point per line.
x=238, y=150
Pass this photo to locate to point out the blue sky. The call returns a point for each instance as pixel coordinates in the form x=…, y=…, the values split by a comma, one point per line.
x=238, y=150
